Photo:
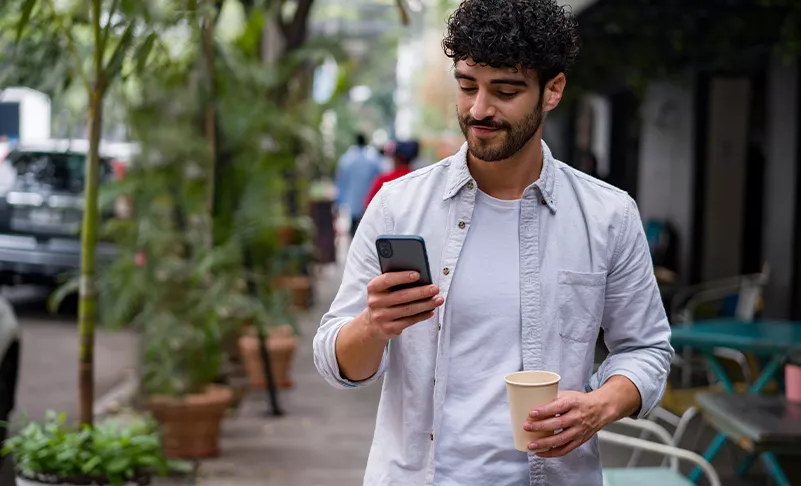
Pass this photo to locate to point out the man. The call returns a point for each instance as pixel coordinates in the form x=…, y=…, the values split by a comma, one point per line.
x=356, y=171
x=404, y=154
x=532, y=258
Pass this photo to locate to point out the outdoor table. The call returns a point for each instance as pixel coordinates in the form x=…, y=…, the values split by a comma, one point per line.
x=775, y=340
x=758, y=424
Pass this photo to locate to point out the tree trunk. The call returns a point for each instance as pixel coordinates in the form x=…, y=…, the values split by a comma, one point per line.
x=86, y=302
x=86, y=306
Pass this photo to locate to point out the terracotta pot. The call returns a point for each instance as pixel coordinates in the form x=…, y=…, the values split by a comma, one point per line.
x=190, y=425
x=300, y=289
x=792, y=382
x=281, y=346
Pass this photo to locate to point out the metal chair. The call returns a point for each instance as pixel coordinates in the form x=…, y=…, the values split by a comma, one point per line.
x=653, y=476
x=748, y=290
x=678, y=407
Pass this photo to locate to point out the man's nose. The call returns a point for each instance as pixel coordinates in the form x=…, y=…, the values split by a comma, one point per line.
x=482, y=107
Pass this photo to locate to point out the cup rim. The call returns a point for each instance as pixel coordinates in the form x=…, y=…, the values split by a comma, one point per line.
x=555, y=378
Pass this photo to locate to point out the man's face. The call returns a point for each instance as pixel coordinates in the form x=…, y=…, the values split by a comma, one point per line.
x=499, y=110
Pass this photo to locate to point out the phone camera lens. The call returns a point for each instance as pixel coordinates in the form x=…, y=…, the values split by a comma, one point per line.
x=385, y=249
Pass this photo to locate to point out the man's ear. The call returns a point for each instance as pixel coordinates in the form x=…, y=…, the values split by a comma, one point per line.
x=552, y=94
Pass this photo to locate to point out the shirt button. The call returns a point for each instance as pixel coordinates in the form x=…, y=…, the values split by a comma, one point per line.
x=446, y=271
x=470, y=185
x=432, y=436
x=462, y=225
x=544, y=202
x=439, y=327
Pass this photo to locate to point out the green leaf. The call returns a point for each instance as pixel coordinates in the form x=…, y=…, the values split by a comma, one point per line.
x=118, y=464
x=114, y=65
x=91, y=465
x=148, y=460
x=61, y=293
x=27, y=8
x=179, y=466
x=143, y=52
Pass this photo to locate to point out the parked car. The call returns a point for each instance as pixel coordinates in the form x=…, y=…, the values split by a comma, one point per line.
x=9, y=363
x=41, y=209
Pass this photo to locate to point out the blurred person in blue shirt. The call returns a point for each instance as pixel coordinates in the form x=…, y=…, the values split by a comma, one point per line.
x=356, y=171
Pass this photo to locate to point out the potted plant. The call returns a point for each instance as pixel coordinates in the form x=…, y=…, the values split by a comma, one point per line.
x=186, y=300
x=111, y=453
x=281, y=340
x=182, y=287
x=295, y=275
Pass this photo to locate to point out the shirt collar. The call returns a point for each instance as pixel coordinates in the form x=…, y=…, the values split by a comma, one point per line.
x=459, y=175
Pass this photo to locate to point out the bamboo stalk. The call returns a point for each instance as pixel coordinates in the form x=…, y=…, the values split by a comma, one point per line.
x=86, y=304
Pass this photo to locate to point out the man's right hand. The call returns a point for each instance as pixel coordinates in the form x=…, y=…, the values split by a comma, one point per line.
x=390, y=311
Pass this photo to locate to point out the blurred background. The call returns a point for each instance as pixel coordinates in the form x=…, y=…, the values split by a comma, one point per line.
x=194, y=170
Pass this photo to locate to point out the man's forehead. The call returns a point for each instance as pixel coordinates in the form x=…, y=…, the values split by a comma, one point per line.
x=482, y=71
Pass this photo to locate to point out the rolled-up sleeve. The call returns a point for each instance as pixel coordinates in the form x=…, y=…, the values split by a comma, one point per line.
x=361, y=267
x=636, y=328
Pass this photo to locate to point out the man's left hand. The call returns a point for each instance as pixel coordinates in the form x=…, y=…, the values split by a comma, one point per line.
x=580, y=417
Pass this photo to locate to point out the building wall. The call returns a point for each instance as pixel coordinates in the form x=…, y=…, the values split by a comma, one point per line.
x=780, y=182
x=724, y=195
x=666, y=173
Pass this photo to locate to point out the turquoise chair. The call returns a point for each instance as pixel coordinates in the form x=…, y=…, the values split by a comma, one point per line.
x=669, y=474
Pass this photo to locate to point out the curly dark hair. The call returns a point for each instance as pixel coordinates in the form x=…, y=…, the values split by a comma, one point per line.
x=535, y=34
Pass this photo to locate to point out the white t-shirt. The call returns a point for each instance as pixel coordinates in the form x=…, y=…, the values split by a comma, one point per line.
x=483, y=318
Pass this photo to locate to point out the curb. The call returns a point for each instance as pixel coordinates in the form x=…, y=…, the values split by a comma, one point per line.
x=120, y=394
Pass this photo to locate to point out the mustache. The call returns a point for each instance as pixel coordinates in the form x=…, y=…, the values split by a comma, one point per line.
x=488, y=122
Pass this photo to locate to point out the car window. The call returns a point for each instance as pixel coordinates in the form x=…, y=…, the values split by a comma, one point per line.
x=54, y=171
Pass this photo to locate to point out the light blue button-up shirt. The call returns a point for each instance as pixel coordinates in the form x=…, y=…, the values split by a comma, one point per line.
x=584, y=265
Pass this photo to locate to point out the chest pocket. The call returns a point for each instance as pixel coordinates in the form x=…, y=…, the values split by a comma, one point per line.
x=580, y=304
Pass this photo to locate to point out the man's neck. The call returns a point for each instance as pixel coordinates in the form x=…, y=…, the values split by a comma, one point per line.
x=507, y=179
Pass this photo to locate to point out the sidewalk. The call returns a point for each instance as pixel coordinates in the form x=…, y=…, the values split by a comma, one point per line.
x=322, y=440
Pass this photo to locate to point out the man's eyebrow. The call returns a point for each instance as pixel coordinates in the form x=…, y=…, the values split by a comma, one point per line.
x=508, y=81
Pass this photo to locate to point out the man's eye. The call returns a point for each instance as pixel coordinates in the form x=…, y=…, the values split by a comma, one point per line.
x=467, y=89
x=506, y=95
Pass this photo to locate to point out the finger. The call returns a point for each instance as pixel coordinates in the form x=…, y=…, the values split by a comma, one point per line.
x=565, y=421
x=561, y=405
x=405, y=296
x=397, y=327
x=561, y=451
x=557, y=440
x=386, y=281
x=413, y=308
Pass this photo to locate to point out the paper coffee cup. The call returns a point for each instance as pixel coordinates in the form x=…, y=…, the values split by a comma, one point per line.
x=528, y=390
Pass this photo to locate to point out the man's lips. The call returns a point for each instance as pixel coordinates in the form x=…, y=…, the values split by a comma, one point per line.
x=481, y=131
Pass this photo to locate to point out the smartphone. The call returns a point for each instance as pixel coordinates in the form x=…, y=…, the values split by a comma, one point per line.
x=400, y=253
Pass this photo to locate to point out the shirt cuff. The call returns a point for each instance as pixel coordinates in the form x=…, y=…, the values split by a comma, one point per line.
x=329, y=367
x=650, y=393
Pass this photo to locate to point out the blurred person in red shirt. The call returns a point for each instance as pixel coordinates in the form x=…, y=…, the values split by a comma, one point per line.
x=403, y=155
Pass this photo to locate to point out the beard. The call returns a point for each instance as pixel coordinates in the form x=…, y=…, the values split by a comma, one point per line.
x=508, y=141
